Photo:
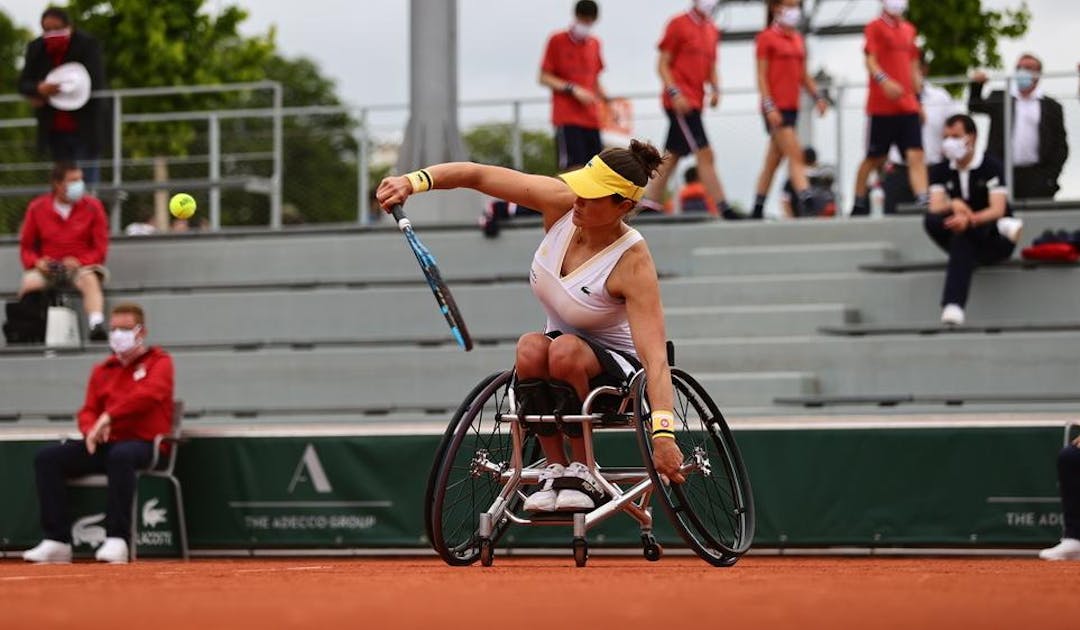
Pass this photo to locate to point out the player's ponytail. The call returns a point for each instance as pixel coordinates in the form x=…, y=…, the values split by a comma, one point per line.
x=637, y=164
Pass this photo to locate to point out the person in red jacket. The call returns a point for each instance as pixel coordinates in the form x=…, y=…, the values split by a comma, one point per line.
x=688, y=52
x=894, y=64
x=781, y=74
x=65, y=235
x=571, y=68
x=129, y=401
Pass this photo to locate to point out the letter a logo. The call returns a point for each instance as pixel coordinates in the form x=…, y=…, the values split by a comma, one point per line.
x=310, y=469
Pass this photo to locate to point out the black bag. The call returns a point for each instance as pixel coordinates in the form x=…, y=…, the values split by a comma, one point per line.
x=26, y=318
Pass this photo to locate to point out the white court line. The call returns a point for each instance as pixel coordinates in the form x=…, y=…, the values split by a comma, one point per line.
x=268, y=570
x=17, y=578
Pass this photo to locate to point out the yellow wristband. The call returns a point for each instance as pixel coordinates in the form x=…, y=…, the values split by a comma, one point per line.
x=421, y=180
x=663, y=424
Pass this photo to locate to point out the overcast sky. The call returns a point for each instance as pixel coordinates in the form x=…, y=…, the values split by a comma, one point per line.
x=363, y=45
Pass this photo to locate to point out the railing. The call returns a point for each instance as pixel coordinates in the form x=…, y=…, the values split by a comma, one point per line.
x=736, y=131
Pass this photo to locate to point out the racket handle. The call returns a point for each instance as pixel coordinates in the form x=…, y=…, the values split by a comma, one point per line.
x=399, y=215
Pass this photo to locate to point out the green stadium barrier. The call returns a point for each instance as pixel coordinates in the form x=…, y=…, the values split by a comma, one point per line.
x=873, y=487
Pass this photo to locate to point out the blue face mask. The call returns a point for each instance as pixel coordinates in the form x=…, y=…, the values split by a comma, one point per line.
x=1025, y=79
x=75, y=190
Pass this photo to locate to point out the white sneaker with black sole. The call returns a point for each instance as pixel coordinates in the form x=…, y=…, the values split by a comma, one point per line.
x=1067, y=549
x=571, y=499
x=543, y=500
x=113, y=551
x=49, y=552
x=1010, y=228
x=953, y=315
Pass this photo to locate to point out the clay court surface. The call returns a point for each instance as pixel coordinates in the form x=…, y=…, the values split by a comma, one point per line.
x=623, y=593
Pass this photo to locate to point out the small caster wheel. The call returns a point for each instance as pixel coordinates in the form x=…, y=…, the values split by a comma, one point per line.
x=487, y=553
x=581, y=552
x=653, y=550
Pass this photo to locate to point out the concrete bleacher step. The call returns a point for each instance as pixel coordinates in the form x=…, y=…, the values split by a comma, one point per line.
x=937, y=328
x=740, y=389
x=400, y=314
x=356, y=254
x=755, y=320
x=437, y=378
x=997, y=294
x=765, y=259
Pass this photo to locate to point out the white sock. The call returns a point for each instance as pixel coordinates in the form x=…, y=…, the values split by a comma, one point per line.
x=95, y=318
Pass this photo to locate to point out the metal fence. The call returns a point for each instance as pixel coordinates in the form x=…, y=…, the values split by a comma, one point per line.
x=259, y=163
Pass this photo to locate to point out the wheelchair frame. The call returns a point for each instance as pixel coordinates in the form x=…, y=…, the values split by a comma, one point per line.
x=629, y=490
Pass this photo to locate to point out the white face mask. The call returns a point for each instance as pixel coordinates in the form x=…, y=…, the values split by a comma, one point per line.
x=790, y=17
x=75, y=190
x=580, y=30
x=705, y=6
x=954, y=149
x=123, y=341
x=895, y=7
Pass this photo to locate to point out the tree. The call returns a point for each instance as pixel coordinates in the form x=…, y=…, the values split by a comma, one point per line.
x=152, y=44
x=492, y=144
x=17, y=145
x=960, y=35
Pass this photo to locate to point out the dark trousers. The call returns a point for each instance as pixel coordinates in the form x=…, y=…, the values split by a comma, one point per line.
x=1032, y=182
x=897, y=187
x=69, y=147
x=55, y=463
x=982, y=245
x=1068, y=464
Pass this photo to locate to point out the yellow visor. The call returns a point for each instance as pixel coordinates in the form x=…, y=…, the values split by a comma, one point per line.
x=596, y=179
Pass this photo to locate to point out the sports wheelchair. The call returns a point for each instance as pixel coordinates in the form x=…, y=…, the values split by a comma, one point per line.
x=488, y=456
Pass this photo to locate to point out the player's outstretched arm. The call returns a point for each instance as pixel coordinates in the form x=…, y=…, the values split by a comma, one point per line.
x=550, y=196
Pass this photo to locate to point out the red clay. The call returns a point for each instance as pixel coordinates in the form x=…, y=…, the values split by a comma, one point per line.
x=622, y=593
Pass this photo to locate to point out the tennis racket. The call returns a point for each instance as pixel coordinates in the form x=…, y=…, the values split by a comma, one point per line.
x=443, y=299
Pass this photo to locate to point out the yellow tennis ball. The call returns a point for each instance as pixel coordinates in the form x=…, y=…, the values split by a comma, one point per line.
x=182, y=206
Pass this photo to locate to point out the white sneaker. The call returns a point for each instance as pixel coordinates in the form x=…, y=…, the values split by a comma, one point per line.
x=114, y=550
x=543, y=500
x=1067, y=549
x=576, y=500
x=952, y=314
x=1010, y=228
x=49, y=552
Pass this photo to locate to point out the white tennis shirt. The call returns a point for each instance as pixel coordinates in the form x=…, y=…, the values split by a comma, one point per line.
x=579, y=302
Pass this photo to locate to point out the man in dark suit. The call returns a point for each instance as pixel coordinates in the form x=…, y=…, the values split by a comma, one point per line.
x=1038, y=145
x=74, y=136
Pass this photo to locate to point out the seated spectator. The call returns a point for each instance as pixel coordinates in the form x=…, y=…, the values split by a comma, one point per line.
x=142, y=225
x=129, y=401
x=1038, y=144
x=179, y=225
x=1068, y=465
x=969, y=215
x=693, y=197
x=65, y=236
x=820, y=198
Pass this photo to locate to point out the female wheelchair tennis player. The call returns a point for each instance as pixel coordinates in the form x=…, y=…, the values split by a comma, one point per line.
x=596, y=280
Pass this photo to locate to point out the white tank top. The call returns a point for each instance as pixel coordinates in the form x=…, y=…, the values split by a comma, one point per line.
x=579, y=302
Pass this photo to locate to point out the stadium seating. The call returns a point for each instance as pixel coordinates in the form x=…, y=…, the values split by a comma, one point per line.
x=339, y=326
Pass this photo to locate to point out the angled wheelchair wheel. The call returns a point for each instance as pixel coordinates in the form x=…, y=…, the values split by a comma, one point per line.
x=713, y=511
x=469, y=473
x=448, y=435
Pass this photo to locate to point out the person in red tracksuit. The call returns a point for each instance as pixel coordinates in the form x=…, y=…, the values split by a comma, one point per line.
x=894, y=64
x=129, y=401
x=781, y=74
x=65, y=234
x=571, y=68
x=688, y=54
